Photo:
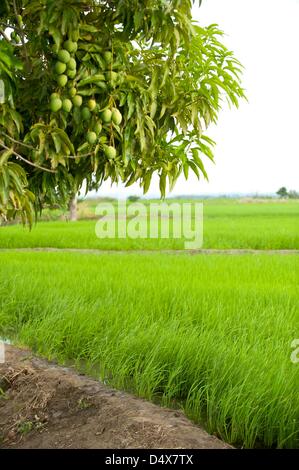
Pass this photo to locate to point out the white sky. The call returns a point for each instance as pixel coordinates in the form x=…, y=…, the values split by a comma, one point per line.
x=257, y=145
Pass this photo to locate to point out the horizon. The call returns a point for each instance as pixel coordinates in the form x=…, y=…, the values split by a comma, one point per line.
x=233, y=195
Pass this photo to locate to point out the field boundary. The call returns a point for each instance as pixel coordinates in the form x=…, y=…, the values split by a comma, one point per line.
x=79, y=411
x=204, y=251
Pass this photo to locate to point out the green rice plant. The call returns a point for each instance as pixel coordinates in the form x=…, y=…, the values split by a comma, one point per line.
x=227, y=224
x=209, y=334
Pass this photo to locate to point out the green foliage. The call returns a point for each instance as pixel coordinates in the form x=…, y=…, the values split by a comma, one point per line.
x=148, y=79
x=133, y=198
x=15, y=197
x=284, y=193
x=293, y=194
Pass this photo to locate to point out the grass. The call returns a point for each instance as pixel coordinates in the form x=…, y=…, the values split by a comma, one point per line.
x=227, y=224
x=210, y=334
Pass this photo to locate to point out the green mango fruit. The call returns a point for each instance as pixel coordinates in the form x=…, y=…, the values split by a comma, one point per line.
x=71, y=73
x=91, y=104
x=67, y=105
x=60, y=67
x=116, y=116
x=98, y=127
x=86, y=114
x=64, y=56
x=91, y=137
x=106, y=115
x=55, y=105
x=62, y=80
x=72, y=92
x=54, y=96
x=72, y=64
x=77, y=100
x=70, y=46
x=110, y=151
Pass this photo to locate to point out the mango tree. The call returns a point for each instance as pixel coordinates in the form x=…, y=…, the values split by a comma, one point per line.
x=96, y=90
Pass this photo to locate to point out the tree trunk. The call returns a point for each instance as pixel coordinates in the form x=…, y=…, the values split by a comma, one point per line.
x=73, y=208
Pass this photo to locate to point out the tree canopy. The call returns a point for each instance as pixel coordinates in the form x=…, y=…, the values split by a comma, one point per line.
x=284, y=193
x=92, y=90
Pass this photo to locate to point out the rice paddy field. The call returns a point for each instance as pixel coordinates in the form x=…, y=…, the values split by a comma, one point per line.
x=208, y=333
x=227, y=224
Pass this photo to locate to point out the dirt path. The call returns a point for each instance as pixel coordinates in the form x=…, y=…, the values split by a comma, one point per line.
x=211, y=251
x=43, y=405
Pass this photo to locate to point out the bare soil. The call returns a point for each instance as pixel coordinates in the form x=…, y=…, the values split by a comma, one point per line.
x=43, y=405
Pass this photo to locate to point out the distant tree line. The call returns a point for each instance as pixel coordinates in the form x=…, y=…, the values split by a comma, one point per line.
x=284, y=193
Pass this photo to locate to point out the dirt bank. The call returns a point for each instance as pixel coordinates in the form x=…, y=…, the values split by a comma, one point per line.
x=43, y=405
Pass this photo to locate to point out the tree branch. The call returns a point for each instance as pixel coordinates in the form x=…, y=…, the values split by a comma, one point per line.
x=32, y=148
x=25, y=159
x=4, y=35
x=80, y=156
x=17, y=141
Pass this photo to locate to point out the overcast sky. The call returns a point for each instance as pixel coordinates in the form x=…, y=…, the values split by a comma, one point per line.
x=257, y=145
